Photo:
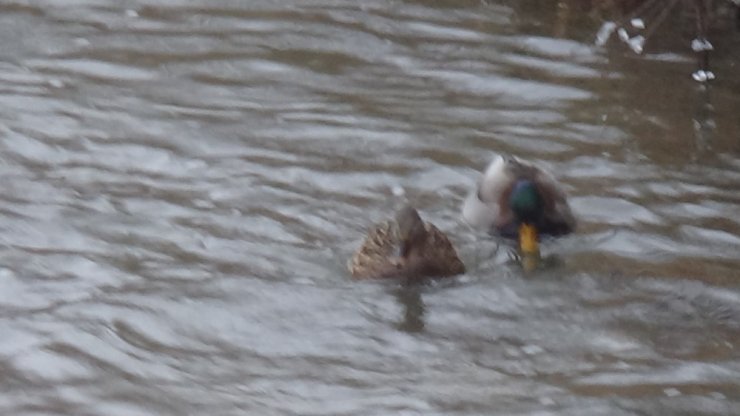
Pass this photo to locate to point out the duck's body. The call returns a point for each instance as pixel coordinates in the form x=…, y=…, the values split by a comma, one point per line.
x=514, y=197
x=405, y=247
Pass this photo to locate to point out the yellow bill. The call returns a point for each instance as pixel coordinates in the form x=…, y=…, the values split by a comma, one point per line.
x=528, y=239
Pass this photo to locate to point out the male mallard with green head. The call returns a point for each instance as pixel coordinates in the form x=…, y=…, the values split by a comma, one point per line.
x=405, y=247
x=516, y=199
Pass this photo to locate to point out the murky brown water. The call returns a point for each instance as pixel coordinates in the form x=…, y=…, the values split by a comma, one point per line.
x=182, y=182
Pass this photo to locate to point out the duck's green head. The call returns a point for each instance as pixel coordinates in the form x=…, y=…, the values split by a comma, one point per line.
x=526, y=202
x=528, y=206
x=411, y=230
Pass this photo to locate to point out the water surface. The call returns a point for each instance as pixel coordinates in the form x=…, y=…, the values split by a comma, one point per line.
x=183, y=181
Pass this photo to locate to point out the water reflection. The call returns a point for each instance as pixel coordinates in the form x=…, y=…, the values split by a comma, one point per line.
x=182, y=183
x=409, y=297
x=650, y=25
x=704, y=124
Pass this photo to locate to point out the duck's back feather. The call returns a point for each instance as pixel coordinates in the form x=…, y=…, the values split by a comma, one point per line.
x=376, y=257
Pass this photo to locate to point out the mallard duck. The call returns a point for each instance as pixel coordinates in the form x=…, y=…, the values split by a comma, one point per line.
x=516, y=199
x=405, y=247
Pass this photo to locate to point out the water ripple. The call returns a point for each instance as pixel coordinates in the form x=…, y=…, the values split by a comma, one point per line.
x=184, y=181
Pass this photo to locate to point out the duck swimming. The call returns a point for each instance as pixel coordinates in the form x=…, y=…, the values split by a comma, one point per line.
x=405, y=247
x=517, y=199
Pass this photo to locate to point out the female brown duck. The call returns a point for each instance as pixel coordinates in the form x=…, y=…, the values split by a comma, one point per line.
x=405, y=247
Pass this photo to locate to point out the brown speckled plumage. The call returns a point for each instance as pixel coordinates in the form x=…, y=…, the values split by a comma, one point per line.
x=431, y=255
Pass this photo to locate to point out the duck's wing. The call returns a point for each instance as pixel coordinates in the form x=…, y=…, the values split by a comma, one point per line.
x=374, y=257
x=440, y=253
x=558, y=217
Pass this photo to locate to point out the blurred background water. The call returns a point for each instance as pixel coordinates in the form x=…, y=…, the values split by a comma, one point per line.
x=183, y=181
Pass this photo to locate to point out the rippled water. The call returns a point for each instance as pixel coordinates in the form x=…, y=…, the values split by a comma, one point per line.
x=183, y=181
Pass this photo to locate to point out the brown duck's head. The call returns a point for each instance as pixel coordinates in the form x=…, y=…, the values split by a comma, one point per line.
x=411, y=230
